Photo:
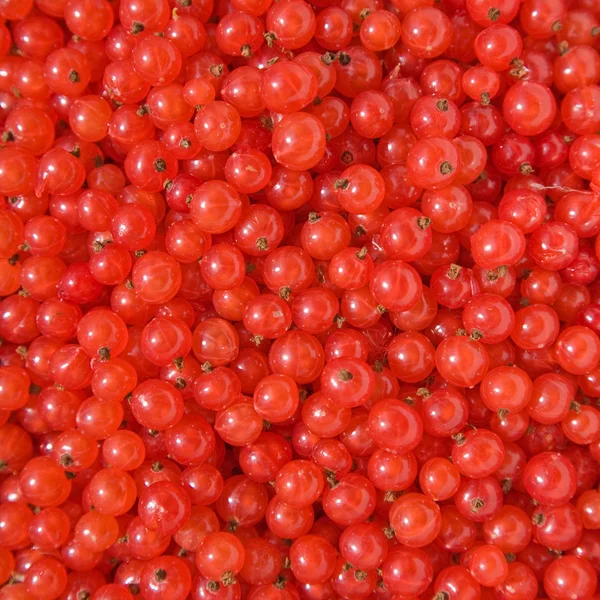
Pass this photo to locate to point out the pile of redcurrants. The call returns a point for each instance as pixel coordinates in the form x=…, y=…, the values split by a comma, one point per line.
x=299, y=301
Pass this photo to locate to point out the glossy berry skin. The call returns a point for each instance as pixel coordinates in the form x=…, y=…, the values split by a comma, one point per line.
x=551, y=398
x=350, y=382
x=44, y=482
x=426, y=32
x=287, y=88
x=276, y=398
x=558, y=526
x=315, y=565
x=524, y=208
x=457, y=582
x=395, y=426
x=298, y=141
x=439, y=478
x=488, y=565
x=363, y=545
x=156, y=277
x=506, y=387
x=433, y=163
x=470, y=354
x=569, y=576
x=504, y=246
x=521, y=579
x=324, y=226
x=577, y=350
x=402, y=562
x=553, y=245
x=490, y=317
x=415, y=519
x=452, y=285
x=299, y=301
x=574, y=109
x=157, y=404
x=550, y=479
x=497, y=46
x=358, y=71
x=477, y=454
x=149, y=165
x=360, y=189
x=281, y=20
x=406, y=234
x=350, y=269
x=395, y=285
x=351, y=502
x=444, y=412
x=215, y=207
x=536, y=326
x=435, y=116
x=46, y=578
x=449, y=208
x=59, y=173
x=164, y=506
x=529, y=108
x=299, y=483
x=223, y=556
x=411, y=356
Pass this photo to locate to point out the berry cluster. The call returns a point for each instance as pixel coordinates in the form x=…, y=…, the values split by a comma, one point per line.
x=299, y=301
